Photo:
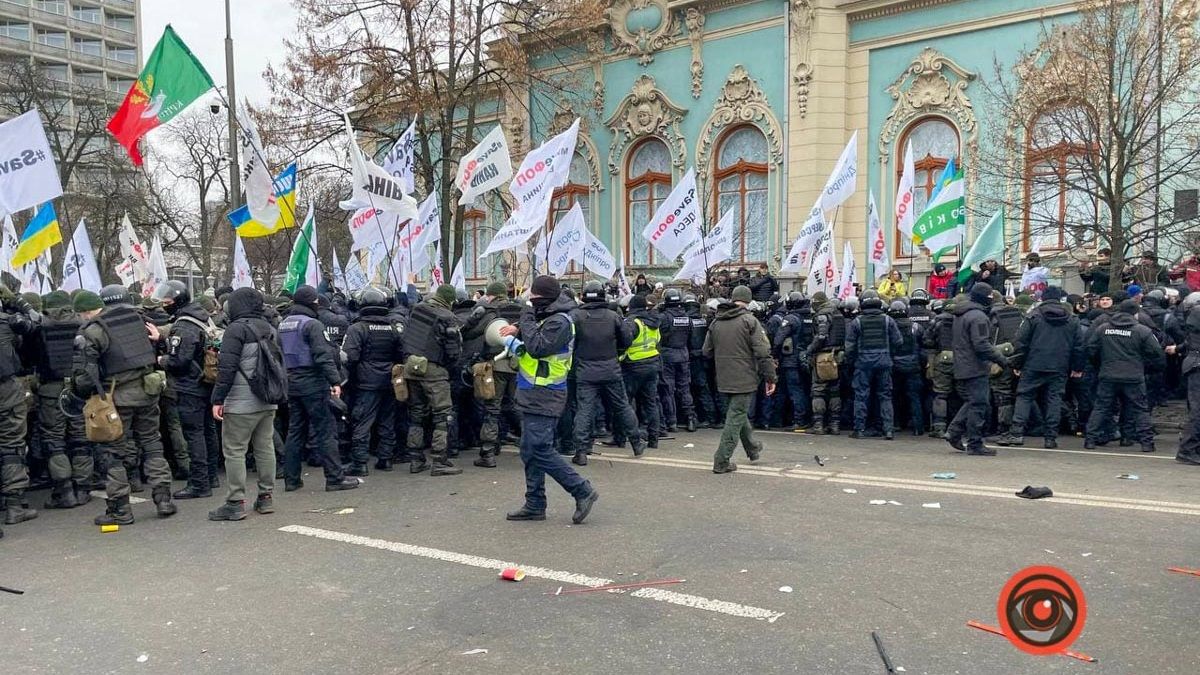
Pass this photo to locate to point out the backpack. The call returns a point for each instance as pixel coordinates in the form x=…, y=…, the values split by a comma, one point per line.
x=212, y=348
x=269, y=381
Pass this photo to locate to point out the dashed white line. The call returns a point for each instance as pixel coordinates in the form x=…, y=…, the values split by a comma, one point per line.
x=658, y=594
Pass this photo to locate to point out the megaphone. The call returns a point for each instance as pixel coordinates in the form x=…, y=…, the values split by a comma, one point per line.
x=491, y=334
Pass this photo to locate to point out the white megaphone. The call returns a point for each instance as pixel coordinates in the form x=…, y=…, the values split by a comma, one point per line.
x=491, y=334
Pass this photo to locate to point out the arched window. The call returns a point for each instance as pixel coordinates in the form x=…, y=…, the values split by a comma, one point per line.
x=578, y=190
x=741, y=182
x=934, y=141
x=647, y=184
x=1061, y=207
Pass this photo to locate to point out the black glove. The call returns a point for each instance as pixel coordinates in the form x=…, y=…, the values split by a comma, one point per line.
x=477, y=313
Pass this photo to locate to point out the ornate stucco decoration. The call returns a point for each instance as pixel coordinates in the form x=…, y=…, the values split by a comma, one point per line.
x=514, y=126
x=802, y=17
x=595, y=48
x=741, y=101
x=563, y=117
x=932, y=84
x=648, y=37
x=646, y=111
x=695, y=25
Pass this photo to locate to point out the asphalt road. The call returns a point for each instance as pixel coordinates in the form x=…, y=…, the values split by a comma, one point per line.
x=406, y=582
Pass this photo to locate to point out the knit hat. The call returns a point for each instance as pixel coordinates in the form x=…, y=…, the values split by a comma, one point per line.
x=209, y=303
x=545, y=286
x=1133, y=290
x=1127, y=307
x=981, y=292
x=1053, y=294
x=819, y=298
x=1024, y=301
x=34, y=300
x=497, y=289
x=1118, y=296
x=56, y=299
x=741, y=294
x=637, y=302
x=305, y=295
x=86, y=301
x=446, y=293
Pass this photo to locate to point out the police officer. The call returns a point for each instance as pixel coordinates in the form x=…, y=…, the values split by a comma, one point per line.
x=973, y=352
x=509, y=421
x=600, y=336
x=543, y=344
x=1189, y=444
x=906, y=366
x=639, y=368
x=432, y=337
x=676, y=328
x=69, y=452
x=1124, y=350
x=1006, y=319
x=184, y=363
x=871, y=339
x=939, y=341
x=373, y=344
x=489, y=411
x=918, y=309
x=313, y=376
x=829, y=336
x=703, y=394
x=113, y=353
x=17, y=318
x=791, y=340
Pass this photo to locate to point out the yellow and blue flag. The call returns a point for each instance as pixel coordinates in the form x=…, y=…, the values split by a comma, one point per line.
x=41, y=233
x=285, y=197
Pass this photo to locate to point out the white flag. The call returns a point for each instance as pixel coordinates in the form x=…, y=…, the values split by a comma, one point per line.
x=28, y=176
x=623, y=283
x=811, y=233
x=844, y=179
x=242, y=278
x=414, y=240
x=312, y=272
x=567, y=241
x=339, y=277
x=45, y=287
x=31, y=281
x=822, y=274
x=905, y=208
x=8, y=246
x=356, y=277
x=79, y=268
x=849, y=273
x=399, y=159
x=156, y=268
x=134, y=250
x=369, y=226
x=1035, y=280
x=545, y=169
x=257, y=182
x=676, y=223
x=486, y=166
x=877, y=254
x=124, y=270
x=372, y=186
x=458, y=279
x=715, y=247
x=519, y=227
x=435, y=272
x=597, y=258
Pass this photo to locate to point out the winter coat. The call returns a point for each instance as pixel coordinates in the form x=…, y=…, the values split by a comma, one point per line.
x=739, y=348
x=938, y=285
x=545, y=334
x=1048, y=341
x=890, y=290
x=763, y=286
x=185, y=350
x=1124, y=349
x=324, y=371
x=369, y=370
x=239, y=353
x=973, y=350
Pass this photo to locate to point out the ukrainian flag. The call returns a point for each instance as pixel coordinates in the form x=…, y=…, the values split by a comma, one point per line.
x=41, y=233
x=285, y=192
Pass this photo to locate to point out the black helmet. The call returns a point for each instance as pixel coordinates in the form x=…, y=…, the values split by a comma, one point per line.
x=937, y=305
x=114, y=294
x=690, y=300
x=898, y=308
x=871, y=294
x=373, y=296
x=173, y=292
x=850, y=305
x=795, y=300
x=920, y=296
x=593, y=291
x=672, y=297
x=1157, y=297
x=872, y=301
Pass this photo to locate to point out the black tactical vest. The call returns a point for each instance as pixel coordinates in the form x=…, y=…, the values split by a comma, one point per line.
x=129, y=347
x=10, y=360
x=681, y=326
x=698, y=333
x=423, y=335
x=1007, y=321
x=58, y=347
x=873, y=334
x=945, y=329
x=382, y=338
x=837, y=331
x=909, y=341
x=594, y=339
x=920, y=314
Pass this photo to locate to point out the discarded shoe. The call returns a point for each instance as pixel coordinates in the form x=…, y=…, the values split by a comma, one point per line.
x=1031, y=492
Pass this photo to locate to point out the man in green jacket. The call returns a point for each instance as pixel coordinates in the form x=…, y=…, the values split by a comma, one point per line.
x=742, y=355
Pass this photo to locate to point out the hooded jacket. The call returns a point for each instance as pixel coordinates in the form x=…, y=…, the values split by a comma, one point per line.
x=1048, y=341
x=1124, y=349
x=239, y=353
x=740, y=351
x=184, y=361
x=973, y=350
x=543, y=334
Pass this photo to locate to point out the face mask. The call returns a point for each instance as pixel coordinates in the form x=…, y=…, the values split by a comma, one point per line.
x=540, y=304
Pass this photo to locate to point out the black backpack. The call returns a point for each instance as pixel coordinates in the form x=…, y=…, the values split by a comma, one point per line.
x=269, y=381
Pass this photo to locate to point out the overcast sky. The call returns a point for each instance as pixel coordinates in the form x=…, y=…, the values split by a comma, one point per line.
x=259, y=27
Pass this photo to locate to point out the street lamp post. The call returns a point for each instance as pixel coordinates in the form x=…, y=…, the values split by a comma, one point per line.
x=235, y=179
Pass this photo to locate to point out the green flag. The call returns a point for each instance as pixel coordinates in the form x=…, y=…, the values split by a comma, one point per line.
x=303, y=264
x=988, y=245
x=939, y=227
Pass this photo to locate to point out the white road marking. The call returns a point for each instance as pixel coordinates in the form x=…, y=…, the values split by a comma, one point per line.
x=1065, y=451
x=1175, y=508
x=659, y=594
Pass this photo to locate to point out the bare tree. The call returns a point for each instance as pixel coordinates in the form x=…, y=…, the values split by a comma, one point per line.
x=1102, y=128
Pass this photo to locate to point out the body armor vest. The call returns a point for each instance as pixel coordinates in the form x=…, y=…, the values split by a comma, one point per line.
x=594, y=337
x=10, y=361
x=423, y=334
x=908, y=340
x=1008, y=320
x=920, y=314
x=872, y=334
x=129, y=347
x=836, y=338
x=945, y=336
x=697, y=335
x=297, y=353
x=382, y=338
x=681, y=326
x=58, y=347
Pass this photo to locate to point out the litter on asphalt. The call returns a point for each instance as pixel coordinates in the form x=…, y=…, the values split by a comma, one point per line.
x=850, y=491
x=1128, y=476
x=944, y=475
x=473, y=652
x=785, y=589
x=932, y=505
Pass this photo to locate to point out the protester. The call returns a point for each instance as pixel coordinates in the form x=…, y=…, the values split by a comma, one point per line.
x=892, y=287
x=939, y=283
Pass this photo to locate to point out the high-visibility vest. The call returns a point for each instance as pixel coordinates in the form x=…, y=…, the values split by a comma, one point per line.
x=645, y=345
x=547, y=371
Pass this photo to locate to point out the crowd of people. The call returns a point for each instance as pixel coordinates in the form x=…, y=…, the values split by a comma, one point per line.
x=110, y=391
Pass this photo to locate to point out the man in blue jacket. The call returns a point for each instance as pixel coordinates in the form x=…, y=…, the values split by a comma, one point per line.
x=871, y=339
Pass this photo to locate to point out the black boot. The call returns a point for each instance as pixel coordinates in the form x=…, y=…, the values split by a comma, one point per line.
x=117, y=513
x=162, y=500
x=691, y=424
x=383, y=465
x=487, y=459
x=360, y=471
x=444, y=467
x=190, y=492
x=63, y=497
x=17, y=512
x=525, y=513
x=580, y=459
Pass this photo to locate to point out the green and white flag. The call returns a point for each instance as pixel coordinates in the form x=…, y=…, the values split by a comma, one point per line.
x=989, y=245
x=939, y=228
x=302, y=268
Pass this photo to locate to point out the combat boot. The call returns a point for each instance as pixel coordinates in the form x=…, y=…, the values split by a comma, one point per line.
x=487, y=458
x=691, y=423
x=639, y=447
x=82, y=496
x=228, y=511
x=1010, y=439
x=442, y=466
x=118, y=512
x=580, y=459
x=63, y=497
x=162, y=500
x=357, y=471
x=835, y=426
x=17, y=512
x=135, y=483
x=383, y=465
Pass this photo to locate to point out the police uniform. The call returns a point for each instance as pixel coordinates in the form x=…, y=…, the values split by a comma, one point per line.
x=906, y=371
x=1006, y=320
x=871, y=339
x=676, y=373
x=14, y=477
x=640, y=366
x=1124, y=350
x=372, y=346
x=704, y=395
x=509, y=420
x=600, y=337
x=114, y=353
x=1189, y=443
x=791, y=341
x=829, y=337
x=488, y=411
x=184, y=362
x=432, y=333
x=70, y=453
x=939, y=340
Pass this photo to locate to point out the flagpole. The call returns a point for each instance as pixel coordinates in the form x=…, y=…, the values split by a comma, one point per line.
x=75, y=259
x=234, y=166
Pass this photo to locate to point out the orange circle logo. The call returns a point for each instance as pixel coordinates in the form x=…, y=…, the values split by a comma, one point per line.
x=1041, y=610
